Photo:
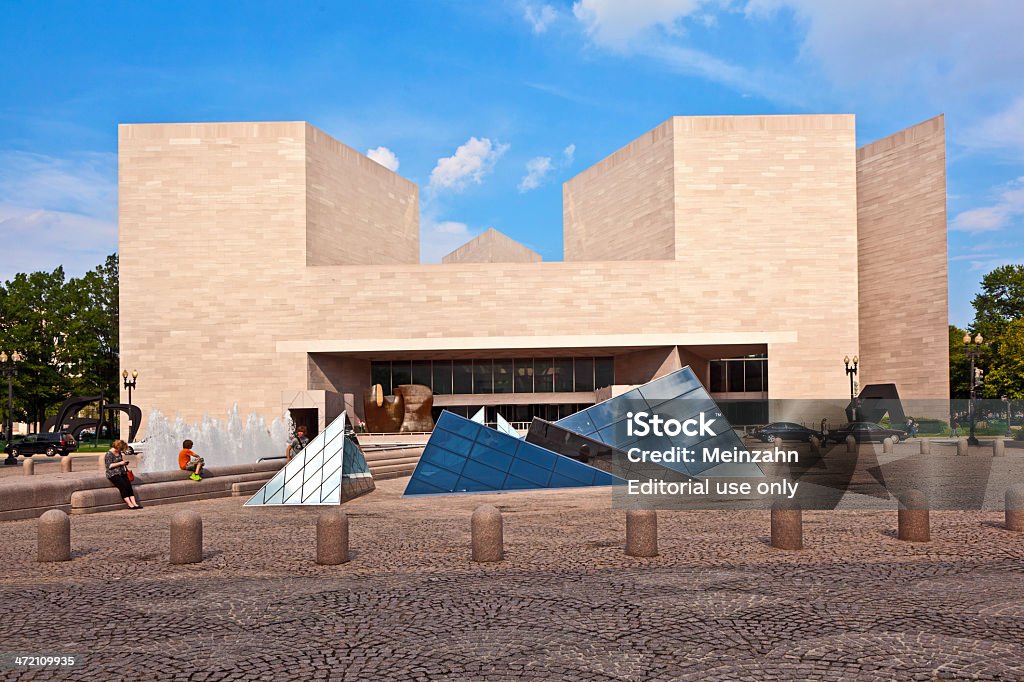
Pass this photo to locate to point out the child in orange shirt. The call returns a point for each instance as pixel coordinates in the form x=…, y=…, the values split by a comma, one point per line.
x=190, y=461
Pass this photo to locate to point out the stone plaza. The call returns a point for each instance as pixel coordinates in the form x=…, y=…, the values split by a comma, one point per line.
x=718, y=602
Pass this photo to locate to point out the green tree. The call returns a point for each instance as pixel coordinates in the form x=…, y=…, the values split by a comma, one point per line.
x=30, y=308
x=1000, y=301
x=89, y=348
x=959, y=366
x=68, y=333
x=1005, y=371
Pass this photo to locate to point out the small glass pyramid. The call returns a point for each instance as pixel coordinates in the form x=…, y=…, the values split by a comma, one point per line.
x=465, y=456
x=328, y=471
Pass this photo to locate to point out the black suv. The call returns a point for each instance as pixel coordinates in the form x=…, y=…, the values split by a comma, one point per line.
x=49, y=444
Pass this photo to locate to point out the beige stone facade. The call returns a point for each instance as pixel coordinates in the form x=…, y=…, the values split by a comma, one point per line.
x=903, y=308
x=492, y=247
x=268, y=264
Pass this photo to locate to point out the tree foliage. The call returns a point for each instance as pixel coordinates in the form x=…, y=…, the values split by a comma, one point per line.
x=68, y=332
x=999, y=318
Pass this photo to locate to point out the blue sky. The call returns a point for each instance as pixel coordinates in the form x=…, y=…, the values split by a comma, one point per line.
x=490, y=106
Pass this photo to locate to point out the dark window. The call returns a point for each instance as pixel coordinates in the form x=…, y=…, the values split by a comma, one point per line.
x=380, y=373
x=563, y=374
x=753, y=371
x=524, y=376
x=442, y=377
x=584, y=373
x=735, y=377
x=503, y=376
x=483, y=377
x=719, y=373
x=544, y=375
x=604, y=372
x=421, y=372
x=462, y=376
x=401, y=373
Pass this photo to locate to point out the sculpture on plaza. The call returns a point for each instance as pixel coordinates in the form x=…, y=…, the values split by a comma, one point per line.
x=409, y=410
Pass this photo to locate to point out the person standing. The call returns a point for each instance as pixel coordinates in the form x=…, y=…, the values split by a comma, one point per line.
x=116, y=465
x=298, y=443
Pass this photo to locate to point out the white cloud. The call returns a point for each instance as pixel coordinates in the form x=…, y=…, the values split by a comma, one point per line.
x=439, y=238
x=537, y=169
x=569, y=153
x=615, y=24
x=539, y=17
x=936, y=44
x=1005, y=211
x=384, y=157
x=469, y=164
x=57, y=211
x=1002, y=132
x=40, y=239
x=85, y=184
x=655, y=29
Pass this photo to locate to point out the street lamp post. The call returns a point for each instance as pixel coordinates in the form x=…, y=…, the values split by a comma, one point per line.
x=851, y=371
x=8, y=364
x=129, y=385
x=971, y=350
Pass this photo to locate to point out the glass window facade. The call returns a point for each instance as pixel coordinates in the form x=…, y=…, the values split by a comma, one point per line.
x=740, y=375
x=520, y=375
x=463, y=456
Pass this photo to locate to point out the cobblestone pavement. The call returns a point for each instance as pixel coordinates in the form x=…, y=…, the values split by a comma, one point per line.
x=718, y=603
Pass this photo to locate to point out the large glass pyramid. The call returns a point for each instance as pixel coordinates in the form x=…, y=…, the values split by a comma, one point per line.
x=328, y=471
x=501, y=425
x=678, y=395
x=464, y=456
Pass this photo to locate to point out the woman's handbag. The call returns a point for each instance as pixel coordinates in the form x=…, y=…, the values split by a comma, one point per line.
x=131, y=476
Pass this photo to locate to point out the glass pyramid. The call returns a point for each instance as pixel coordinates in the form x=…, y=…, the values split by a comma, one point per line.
x=678, y=395
x=328, y=471
x=502, y=425
x=465, y=456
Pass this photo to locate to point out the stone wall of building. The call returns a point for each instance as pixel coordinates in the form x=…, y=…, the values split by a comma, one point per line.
x=622, y=208
x=492, y=247
x=901, y=198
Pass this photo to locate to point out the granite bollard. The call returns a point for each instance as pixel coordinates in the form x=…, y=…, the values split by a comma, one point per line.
x=186, y=537
x=1015, y=508
x=332, y=538
x=28, y=467
x=851, y=444
x=53, y=540
x=998, y=447
x=65, y=464
x=787, y=525
x=913, y=525
x=641, y=532
x=926, y=446
x=887, y=444
x=961, y=446
x=488, y=540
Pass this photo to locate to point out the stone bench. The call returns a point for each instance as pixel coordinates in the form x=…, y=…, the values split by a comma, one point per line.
x=164, y=492
x=25, y=497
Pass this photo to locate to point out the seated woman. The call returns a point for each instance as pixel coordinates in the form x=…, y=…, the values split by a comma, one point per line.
x=117, y=472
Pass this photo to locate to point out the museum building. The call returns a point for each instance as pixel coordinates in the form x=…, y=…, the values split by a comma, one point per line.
x=269, y=264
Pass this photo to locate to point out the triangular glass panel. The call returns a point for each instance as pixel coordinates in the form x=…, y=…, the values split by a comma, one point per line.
x=678, y=395
x=330, y=470
x=464, y=456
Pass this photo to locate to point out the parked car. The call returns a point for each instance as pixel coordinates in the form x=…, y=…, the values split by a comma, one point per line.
x=50, y=444
x=783, y=431
x=865, y=432
x=137, y=448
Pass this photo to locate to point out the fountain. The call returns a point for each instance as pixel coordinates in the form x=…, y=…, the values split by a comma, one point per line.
x=220, y=443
